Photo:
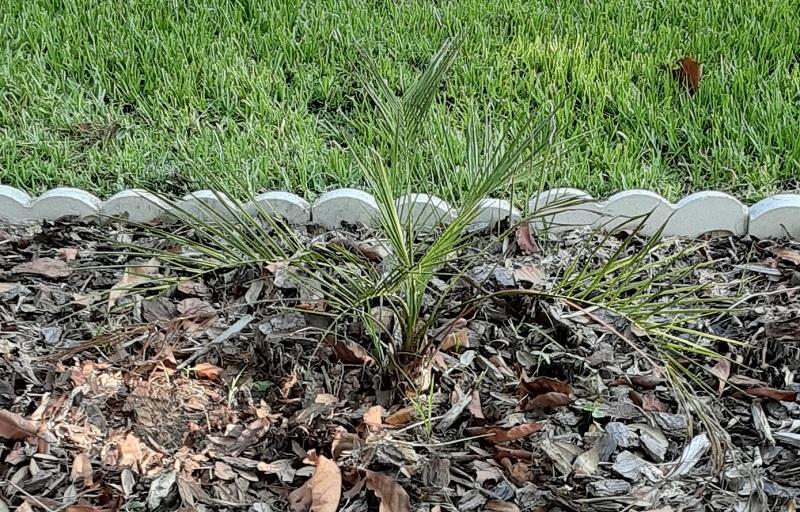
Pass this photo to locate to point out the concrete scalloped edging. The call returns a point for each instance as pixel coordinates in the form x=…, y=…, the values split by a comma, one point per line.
x=555, y=210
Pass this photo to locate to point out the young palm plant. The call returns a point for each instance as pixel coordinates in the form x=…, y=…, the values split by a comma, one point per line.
x=632, y=286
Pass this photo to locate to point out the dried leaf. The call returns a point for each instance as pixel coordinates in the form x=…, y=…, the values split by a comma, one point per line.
x=82, y=469
x=132, y=277
x=393, y=497
x=688, y=74
x=548, y=401
x=722, y=370
x=639, y=381
x=773, y=394
x=13, y=426
x=459, y=338
x=195, y=307
x=500, y=506
x=48, y=267
x=68, y=253
x=541, y=385
x=474, y=406
x=374, y=416
x=525, y=241
x=130, y=452
x=208, y=371
x=496, y=435
x=193, y=288
x=530, y=274
x=400, y=416
x=350, y=352
x=789, y=255
x=321, y=492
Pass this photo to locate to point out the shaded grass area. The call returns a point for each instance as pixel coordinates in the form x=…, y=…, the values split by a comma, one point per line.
x=170, y=95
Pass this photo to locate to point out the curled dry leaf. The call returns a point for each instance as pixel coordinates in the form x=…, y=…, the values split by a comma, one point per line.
x=525, y=241
x=393, y=497
x=208, y=371
x=374, y=416
x=530, y=274
x=82, y=469
x=722, y=370
x=321, y=492
x=789, y=255
x=13, y=426
x=541, y=385
x=688, y=74
x=496, y=435
x=47, y=267
x=400, y=416
x=773, y=394
x=350, y=352
x=459, y=338
x=133, y=276
x=548, y=401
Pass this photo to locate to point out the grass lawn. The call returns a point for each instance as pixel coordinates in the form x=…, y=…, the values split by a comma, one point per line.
x=163, y=94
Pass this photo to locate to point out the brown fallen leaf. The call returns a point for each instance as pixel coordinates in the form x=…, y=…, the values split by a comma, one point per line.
x=400, y=416
x=82, y=469
x=651, y=403
x=393, y=497
x=786, y=254
x=13, y=426
x=68, y=253
x=321, y=492
x=499, y=506
x=530, y=274
x=541, y=385
x=548, y=401
x=639, y=381
x=688, y=74
x=48, y=267
x=350, y=352
x=773, y=394
x=374, y=416
x=130, y=452
x=133, y=276
x=722, y=370
x=496, y=435
x=208, y=371
x=525, y=241
x=458, y=339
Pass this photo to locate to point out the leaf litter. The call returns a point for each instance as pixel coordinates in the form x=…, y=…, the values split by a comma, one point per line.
x=215, y=394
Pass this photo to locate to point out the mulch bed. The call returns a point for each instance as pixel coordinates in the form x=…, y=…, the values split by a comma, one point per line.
x=221, y=395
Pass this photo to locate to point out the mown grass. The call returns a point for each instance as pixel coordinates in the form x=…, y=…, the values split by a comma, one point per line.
x=107, y=95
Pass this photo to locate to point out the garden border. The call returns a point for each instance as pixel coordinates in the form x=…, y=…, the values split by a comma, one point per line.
x=696, y=214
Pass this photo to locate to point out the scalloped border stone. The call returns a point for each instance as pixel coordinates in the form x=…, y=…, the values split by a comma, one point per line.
x=135, y=205
x=492, y=211
x=14, y=206
x=777, y=216
x=206, y=205
x=348, y=205
x=553, y=211
x=425, y=210
x=291, y=207
x=63, y=202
